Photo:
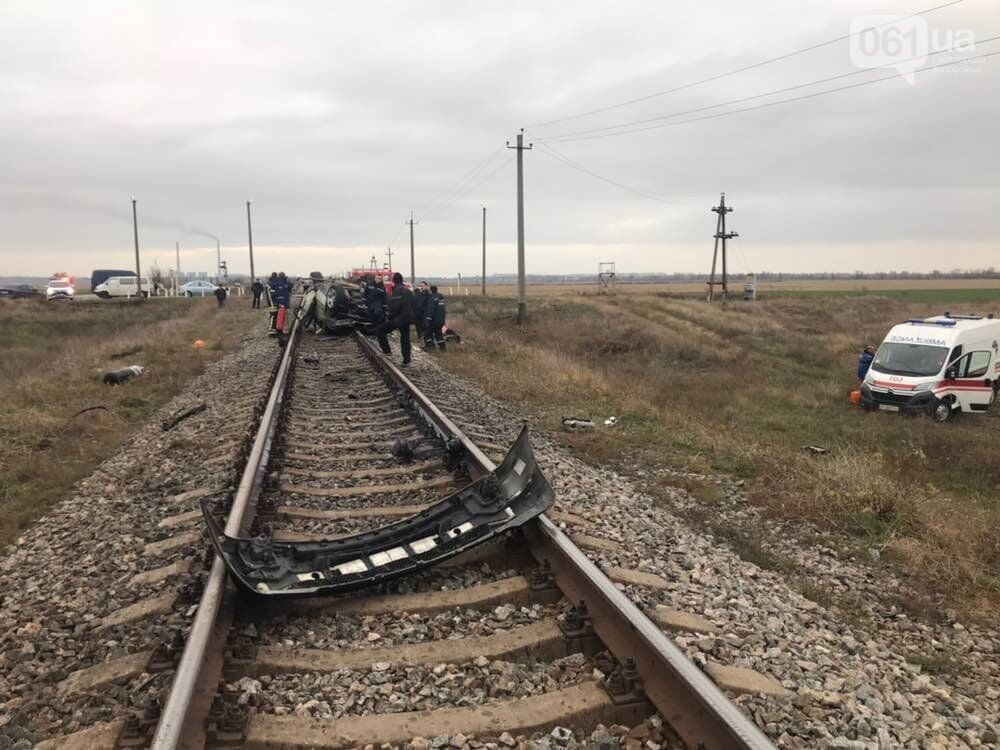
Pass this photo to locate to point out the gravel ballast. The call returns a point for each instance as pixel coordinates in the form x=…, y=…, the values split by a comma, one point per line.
x=851, y=684
x=75, y=566
x=854, y=677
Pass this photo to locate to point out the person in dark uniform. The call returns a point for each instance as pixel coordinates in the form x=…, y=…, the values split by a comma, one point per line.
x=283, y=300
x=220, y=295
x=421, y=296
x=400, y=318
x=283, y=290
x=434, y=314
x=375, y=302
x=865, y=361
x=272, y=305
x=258, y=290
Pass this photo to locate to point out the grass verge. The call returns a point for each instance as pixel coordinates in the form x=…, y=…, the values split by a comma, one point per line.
x=741, y=390
x=60, y=420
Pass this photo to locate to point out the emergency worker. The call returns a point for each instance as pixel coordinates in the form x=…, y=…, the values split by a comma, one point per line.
x=421, y=296
x=258, y=291
x=400, y=318
x=282, y=295
x=865, y=361
x=434, y=316
x=283, y=290
x=272, y=305
x=375, y=302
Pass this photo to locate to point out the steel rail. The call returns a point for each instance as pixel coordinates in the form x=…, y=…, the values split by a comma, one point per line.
x=479, y=462
x=170, y=727
x=694, y=705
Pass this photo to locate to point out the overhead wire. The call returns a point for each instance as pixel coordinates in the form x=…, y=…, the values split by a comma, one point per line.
x=472, y=186
x=444, y=195
x=463, y=184
x=742, y=69
x=586, y=170
x=562, y=137
x=765, y=105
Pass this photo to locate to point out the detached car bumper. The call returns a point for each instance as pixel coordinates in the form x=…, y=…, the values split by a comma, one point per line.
x=513, y=494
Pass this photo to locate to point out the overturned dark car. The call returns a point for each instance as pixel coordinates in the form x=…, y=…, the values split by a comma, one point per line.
x=339, y=307
x=335, y=306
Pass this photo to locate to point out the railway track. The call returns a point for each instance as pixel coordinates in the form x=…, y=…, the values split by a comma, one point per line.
x=518, y=635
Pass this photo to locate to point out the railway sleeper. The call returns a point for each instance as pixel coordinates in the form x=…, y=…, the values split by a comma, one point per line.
x=584, y=705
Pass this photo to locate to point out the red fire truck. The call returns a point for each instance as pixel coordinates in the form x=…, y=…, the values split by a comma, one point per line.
x=358, y=275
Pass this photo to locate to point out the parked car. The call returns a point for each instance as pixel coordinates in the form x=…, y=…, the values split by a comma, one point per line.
x=59, y=290
x=18, y=291
x=121, y=286
x=198, y=288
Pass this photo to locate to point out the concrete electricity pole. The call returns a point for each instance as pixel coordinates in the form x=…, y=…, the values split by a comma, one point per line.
x=522, y=300
x=413, y=273
x=218, y=259
x=250, y=239
x=177, y=273
x=388, y=252
x=484, y=251
x=720, y=234
x=138, y=268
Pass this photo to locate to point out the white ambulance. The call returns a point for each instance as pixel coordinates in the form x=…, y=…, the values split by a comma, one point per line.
x=939, y=366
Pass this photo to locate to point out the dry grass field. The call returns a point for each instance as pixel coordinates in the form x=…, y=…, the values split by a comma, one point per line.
x=739, y=390
x=53, y=360
x=933, y=289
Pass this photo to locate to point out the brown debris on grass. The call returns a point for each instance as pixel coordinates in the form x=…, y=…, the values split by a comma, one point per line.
x=60, y=420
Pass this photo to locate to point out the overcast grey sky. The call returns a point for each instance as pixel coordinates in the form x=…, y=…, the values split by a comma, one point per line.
x=337, y=119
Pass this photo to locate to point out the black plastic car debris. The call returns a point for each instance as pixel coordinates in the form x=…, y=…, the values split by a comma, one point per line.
x=508, y=497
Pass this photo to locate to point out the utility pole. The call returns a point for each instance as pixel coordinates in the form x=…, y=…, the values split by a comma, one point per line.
x=138, y=268
x=388, y=252
x=413, y=273
x=484, y=251
x=253, y=276
x=720, y=234
x=218, y=260
x=177, y=274
x=522, y=300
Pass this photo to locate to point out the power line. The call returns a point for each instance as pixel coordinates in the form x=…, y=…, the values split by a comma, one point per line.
x=446, y=193
x=482, y=181
x=779, y=101
x=463, y=183
x=743, y=69
x=605, y=129
x=579, y=167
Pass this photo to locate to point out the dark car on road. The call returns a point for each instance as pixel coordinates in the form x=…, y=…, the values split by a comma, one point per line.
x=19, y=291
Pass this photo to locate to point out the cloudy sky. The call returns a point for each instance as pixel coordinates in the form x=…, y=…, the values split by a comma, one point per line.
x=337, y=119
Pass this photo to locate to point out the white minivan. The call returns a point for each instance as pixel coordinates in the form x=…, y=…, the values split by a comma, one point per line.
x=121, y=286
x=940, y=366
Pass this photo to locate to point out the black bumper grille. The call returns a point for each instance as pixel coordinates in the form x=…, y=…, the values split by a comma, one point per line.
x=898, y=399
